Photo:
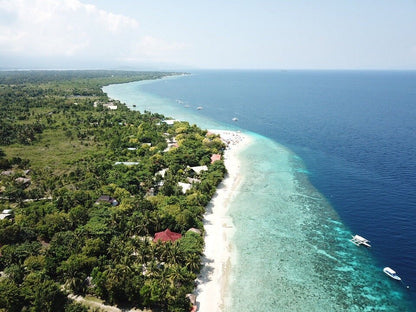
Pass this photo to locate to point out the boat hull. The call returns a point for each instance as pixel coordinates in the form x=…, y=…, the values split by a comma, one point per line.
x=391, y=273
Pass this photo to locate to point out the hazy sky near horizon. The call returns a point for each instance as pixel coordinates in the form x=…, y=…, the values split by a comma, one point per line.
x=185, y=34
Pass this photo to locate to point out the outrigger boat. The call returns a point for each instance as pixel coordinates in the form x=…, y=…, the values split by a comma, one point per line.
x=390, y=272
x=359, y=240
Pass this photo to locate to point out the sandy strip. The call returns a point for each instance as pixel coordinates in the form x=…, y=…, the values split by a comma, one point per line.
x=219, y=228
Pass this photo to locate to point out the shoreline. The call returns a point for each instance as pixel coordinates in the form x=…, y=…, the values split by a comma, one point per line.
x=219, y=228
x=216, y=295
x=218, y=253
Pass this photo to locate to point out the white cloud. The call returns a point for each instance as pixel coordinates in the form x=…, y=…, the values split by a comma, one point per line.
x=150, y=48
x=71, y=28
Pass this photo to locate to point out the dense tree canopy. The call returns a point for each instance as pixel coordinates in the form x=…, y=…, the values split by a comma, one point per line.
x=84, y=188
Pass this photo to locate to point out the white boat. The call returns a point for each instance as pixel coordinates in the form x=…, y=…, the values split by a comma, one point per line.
x=359, y=240
x=390, y=272
x=199, y=108
x=235, y=119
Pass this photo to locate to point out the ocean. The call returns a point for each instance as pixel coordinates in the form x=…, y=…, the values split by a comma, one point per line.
x=334, y=155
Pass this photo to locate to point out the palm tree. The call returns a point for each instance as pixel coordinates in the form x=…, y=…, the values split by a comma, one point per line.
x=174, y=253
x=193, y=262
x=139, y=224
x=175, y=275
x=116, y=279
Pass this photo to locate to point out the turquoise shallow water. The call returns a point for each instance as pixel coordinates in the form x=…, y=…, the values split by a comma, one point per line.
x=293, y=252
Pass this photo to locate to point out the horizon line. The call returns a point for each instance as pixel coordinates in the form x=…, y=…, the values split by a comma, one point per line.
x=202, y=69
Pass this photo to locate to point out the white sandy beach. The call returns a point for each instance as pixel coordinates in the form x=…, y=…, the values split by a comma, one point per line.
x=219, y=228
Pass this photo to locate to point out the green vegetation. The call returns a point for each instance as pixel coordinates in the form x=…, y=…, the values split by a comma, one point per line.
x=61, y=138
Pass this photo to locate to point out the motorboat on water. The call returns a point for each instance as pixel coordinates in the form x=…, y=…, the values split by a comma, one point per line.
x=390, y=272
x=359, y=240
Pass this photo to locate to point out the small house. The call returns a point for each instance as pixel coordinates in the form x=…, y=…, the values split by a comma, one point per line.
x=193, y=180
x=110, y=105
x=199, y=169
x=185, y=186
x=126, y=163
x=6, y=214
x=107, y=199
x=170, y=121
x=162, y=172
x=23, y=181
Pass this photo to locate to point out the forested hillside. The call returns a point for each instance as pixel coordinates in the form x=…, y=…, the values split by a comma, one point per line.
x=85, y=184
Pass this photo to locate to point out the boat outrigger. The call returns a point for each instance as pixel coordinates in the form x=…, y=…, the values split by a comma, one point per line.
x=390, y=272
x=359, y=240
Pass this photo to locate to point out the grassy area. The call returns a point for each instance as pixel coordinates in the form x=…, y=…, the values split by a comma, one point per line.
x=54, y=150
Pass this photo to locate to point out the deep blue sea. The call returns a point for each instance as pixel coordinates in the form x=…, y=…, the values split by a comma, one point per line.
x=348, y=141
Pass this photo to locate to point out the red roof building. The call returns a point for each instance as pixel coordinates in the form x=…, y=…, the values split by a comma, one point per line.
x=215, y=157
x=167, y=235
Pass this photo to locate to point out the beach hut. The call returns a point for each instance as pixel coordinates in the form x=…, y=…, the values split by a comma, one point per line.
x=167, y=235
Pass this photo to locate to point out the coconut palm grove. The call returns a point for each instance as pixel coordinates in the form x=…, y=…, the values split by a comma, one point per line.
x=85, y=184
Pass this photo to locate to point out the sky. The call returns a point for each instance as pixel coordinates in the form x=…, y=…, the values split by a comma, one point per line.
x=196, y=34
